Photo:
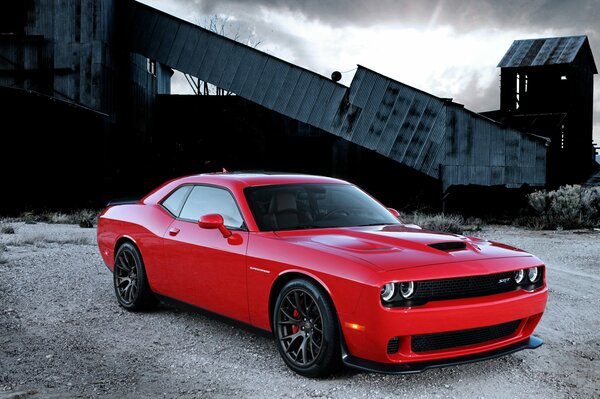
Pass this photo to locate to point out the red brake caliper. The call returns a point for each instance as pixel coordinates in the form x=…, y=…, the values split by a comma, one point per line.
x=296, y=315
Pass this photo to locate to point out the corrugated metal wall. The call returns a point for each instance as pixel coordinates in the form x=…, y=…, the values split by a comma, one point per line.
x=437, y=137
x=70, y=51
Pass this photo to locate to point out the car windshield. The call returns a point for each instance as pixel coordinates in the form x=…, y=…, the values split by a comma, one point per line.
x=307, y=206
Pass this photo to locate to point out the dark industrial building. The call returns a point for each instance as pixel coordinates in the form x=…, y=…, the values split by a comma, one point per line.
x=547, y=87
x=88, y=115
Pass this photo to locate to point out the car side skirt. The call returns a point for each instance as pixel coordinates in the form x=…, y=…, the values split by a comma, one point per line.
x=418, y=367
x=213, y=315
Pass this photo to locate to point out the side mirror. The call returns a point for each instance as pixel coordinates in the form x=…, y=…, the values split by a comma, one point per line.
x=214, y=221
x=394, y=212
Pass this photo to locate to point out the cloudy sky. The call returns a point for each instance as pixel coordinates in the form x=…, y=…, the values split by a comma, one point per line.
x=449, y=48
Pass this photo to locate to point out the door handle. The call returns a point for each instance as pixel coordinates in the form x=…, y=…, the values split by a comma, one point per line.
x=173, y=231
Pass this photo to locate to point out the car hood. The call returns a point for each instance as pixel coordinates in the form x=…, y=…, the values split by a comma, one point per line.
x=400, y=246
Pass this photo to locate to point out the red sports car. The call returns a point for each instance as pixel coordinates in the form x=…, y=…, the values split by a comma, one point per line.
x=335, y=276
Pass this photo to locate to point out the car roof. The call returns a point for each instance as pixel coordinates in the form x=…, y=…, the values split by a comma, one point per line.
x=259, y=178
x=236, y=181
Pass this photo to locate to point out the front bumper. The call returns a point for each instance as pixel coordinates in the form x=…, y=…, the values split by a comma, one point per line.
x=370, y=327
x=418, y=367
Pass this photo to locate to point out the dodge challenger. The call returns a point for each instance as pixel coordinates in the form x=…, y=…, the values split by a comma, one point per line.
x=333, y=275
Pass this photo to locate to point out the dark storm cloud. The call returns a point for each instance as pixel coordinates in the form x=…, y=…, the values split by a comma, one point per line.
x=563, y=17
x=463, y=14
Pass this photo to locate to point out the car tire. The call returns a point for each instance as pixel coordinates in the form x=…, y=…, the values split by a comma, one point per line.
x=306, y=329
x=130, y=281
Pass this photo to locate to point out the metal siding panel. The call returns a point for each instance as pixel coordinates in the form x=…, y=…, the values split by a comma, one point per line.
x=166, y=41
x=241, y=74
x=399, y=112
x=326, y=122
x=383, y=115
x=465, y=138
x=512, y=158
x=317, y=112
x=214, y=44
x=359, y=95
x=512, y=176
x=428, y=121
x=463, y=174
x=527, y=156
x=144, y=21
x=285, y=92
x=264, y=81
x=155, y=36
x=178, y=42
x=408, y=127
x=420, y=132
x=481, y=140
x=449, y=175
x=192, y=53
x=357, y=89
x=497, y=148
x=314, y=88
x=435, y=156
x=480, y=175
x=347, y=118
x=273, y=75
x=252, y=82
x=232, y=68
x=224, y=56
x=369, y=112
x=540, y=161
x=298, y=93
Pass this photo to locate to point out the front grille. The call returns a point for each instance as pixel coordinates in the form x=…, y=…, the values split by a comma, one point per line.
x=456, y=288
x=455, y=339
x=465, y=287
x=393, y=345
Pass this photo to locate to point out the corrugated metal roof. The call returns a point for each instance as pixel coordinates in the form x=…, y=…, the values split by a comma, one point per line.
x=424, y=132
x=547, y=51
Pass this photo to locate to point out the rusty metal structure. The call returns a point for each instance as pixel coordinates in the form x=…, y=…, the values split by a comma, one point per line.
x=114, y=59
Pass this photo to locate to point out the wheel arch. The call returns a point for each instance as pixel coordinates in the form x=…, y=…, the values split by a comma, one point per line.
x=288, y=276
x=122, y=240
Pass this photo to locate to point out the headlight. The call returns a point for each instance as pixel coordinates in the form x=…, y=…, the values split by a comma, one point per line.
x=519, y=276
x=407, y=289
x=388, y=291
x=533, y=274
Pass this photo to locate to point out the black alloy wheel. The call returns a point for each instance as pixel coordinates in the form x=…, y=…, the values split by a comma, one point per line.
x=129, y=278
x=306, y=329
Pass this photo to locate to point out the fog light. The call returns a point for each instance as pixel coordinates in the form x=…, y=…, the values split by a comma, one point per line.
x=407, y=289
x=533, y=274
x=519, y=276
x=388, y=291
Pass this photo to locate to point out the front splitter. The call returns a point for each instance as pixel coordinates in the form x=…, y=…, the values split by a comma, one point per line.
x=418, y=367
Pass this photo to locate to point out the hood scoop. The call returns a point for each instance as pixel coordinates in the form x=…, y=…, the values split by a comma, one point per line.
x=448, y=246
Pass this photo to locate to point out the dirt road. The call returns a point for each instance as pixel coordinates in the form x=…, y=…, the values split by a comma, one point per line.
x=63, y=335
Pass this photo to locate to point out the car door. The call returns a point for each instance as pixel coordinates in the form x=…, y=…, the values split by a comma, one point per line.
x=203, y=268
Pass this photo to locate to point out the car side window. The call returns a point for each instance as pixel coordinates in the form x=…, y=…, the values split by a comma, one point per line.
x=204, y=200
x=174, y=202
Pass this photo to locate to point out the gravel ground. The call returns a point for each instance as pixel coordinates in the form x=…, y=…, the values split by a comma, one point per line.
x=63, y=335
